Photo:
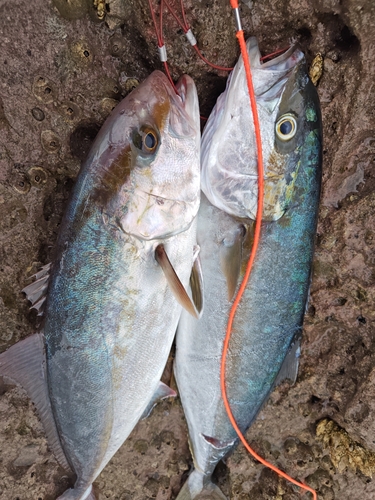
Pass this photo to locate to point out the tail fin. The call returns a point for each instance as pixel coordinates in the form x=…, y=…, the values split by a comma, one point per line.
x=78, y=494
x=25, y=364
x=200, y=487
x=91, y=496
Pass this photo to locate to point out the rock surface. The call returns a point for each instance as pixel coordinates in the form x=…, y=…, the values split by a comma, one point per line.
x=63, y=66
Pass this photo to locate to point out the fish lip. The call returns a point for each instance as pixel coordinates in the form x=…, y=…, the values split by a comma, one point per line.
x=188, y=97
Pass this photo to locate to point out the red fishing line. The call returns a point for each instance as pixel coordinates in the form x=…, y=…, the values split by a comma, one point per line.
x=160, y=38
x=273, y=54
x=258, y=222
x=184, y=26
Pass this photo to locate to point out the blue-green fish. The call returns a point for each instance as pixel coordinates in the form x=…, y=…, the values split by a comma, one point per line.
x=264, y=345
x=124, y=253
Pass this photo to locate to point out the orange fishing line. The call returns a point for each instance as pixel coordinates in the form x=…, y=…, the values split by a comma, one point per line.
x=258, y=222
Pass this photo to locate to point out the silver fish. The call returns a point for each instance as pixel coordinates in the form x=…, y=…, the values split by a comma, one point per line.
x=124, y=252
x=268, y=322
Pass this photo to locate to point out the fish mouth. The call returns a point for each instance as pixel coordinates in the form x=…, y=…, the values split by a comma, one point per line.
x=188, y=97
x=183, y=95
x=286, y=60
x=276, y=71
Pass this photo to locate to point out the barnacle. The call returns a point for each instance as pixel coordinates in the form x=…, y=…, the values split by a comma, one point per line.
x=316, y=69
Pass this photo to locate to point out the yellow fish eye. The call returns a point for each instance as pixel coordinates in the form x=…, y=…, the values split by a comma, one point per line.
x=146, y=140
x=286, y=127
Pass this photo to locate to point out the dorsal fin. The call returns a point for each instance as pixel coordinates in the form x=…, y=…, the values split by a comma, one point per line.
x=36, y=291
x=25, y=364
x=174, y=282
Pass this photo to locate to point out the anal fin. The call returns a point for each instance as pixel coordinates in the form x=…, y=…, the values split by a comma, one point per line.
x=25, y=364
x=162, y=392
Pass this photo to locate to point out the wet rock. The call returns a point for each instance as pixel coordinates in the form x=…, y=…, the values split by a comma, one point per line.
x=27, y=456
x=320, y=478
x=141, y=446
x=344, y=451
x=73, y=9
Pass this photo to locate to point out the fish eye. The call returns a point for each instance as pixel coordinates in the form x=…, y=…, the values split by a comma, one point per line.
x=286, y=127
x=146, y=140
x=149, y=141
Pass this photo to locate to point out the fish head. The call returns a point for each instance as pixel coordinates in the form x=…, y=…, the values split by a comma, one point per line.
x=287, y=107
x=145, y=161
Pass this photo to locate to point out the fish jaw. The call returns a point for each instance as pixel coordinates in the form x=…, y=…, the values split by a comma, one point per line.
x=229, y=159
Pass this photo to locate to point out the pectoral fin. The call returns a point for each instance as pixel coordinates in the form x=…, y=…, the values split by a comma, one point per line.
x=196, y=283
x=25, y=364
x=174, y=282
x=230, y=259
x=162, y=392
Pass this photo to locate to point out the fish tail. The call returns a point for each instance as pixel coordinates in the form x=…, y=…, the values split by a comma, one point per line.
x=92, y=496
x=200, y=486
x=78, y=494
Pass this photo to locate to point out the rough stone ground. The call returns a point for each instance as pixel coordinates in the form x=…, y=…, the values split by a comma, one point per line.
x=61, y=71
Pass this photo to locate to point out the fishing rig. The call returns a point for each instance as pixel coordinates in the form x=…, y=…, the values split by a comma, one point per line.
x=258, y=222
